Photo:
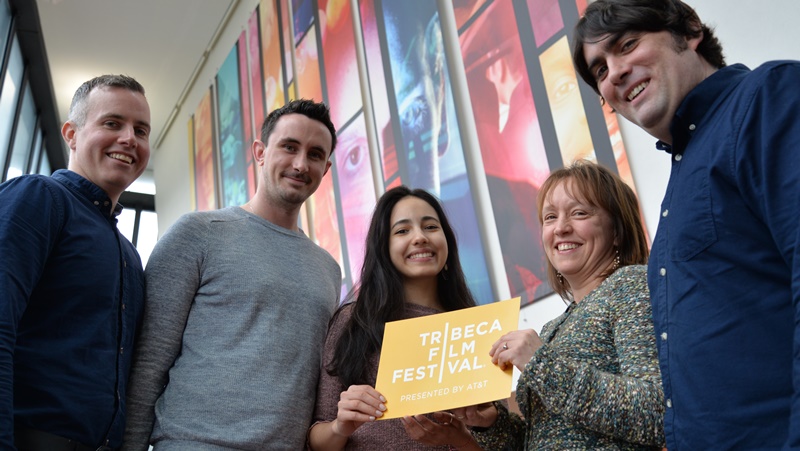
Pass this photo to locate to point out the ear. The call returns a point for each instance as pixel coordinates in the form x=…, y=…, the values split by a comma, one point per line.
x=327, y=166
x=693, y=43
x=259, y=151
x=69, y=132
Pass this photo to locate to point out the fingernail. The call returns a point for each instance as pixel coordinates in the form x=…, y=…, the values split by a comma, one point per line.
x=382, y=407
x=378, y=413
x=383, y=399
x=371, y=418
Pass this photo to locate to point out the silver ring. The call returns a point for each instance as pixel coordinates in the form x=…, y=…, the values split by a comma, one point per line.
x=505, y=346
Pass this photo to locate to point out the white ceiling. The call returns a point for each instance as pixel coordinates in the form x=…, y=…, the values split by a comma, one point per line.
x=158, y=42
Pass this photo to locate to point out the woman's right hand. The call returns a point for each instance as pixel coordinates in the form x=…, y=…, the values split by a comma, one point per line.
x=358, y=405
x=480, y=415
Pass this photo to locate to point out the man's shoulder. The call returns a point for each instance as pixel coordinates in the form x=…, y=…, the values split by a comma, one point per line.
x=777, y=65
x=191, y=224
x=34, y=189
x=207, y=217
x=777, y=70
x=31, y=182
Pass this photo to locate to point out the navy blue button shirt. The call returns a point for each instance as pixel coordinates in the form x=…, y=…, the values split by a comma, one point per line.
x=724, y=271
x=71, y=298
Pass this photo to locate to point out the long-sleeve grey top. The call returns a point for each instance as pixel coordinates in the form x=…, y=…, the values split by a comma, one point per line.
x=235, y=316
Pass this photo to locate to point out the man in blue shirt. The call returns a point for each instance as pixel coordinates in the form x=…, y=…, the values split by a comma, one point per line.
x=71, y=286
x=725, y=265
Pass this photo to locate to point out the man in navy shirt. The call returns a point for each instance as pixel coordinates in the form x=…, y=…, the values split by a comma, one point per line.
x=71, y=286
x=725, y=265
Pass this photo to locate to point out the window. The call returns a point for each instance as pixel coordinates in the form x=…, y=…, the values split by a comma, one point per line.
x=139, y=221
x=23, y=137
x=8, y=101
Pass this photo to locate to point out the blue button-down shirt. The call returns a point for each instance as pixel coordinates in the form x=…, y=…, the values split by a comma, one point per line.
x=71, y=297
x=724, y=270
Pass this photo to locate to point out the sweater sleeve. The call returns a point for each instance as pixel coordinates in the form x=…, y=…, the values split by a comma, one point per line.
x=173, y=275
x=629, y=405
x=507, y=432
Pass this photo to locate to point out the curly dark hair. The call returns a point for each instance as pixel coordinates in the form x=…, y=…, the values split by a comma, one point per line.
x=618, y=17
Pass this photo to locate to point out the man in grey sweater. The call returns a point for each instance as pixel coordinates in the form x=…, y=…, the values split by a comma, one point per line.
x=237, y=306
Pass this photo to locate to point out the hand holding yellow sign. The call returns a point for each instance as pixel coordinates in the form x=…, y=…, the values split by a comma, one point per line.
x=442, y=361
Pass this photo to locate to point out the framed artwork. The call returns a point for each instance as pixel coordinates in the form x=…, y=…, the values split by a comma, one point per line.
x=204, y=170
x=232, y=151
x=528, y=111
x=510, y=138
x=417, y=121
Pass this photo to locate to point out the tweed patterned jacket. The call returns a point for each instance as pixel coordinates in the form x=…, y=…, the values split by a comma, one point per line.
x=595, y=383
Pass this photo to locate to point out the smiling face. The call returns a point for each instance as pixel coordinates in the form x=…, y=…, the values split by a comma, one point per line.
x=417, y=243
x=293, y=161
x=578, y=238
x=645, y=76
x=111, y=149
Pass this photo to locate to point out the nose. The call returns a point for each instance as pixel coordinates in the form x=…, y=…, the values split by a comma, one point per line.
x=419, y=237
x=127, y=136
x=562, y=226
x=300, y=162
x=618, y=69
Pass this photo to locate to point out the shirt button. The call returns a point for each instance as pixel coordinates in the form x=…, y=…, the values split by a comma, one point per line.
x=663, y=271
x=665, y=213
x=123, y=306
x=121, y=350
x=664, y=336
x=678, y=157
x=692, y=127
x=105, y=203
x=669, y=403
x=96, y=203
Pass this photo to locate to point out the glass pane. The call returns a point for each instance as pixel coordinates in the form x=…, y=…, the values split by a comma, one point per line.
x=44, y=167
x=26, y=123
x=8, y=99
x=148, y=234
x=37, y=152
x=125, y=222
x=5, y=23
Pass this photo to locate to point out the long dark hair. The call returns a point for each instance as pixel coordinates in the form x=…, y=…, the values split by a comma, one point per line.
x=380, y=296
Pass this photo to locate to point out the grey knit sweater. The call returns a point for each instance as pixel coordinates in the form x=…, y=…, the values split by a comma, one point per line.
x=228, y=357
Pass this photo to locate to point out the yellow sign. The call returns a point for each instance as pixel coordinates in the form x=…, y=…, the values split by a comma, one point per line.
x=442, y=361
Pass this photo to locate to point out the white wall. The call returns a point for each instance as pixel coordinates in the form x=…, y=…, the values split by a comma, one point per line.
x=751, y=32
x=171, y=159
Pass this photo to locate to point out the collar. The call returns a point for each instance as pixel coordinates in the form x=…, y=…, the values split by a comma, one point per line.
x=89, y=190
x=700, y=101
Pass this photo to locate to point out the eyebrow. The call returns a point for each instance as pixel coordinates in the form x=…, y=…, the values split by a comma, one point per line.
x=408, y=221
x=608, y=43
